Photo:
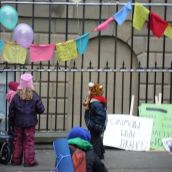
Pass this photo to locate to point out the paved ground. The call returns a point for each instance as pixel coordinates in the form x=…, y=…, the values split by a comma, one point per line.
x=115, y=160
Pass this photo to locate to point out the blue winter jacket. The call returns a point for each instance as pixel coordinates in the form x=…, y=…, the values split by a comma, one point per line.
x=23, y=113
x=95, y=116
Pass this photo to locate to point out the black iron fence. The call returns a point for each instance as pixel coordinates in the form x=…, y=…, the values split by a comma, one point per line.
x=63, y=86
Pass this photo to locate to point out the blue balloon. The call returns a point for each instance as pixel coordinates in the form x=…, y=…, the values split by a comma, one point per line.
x=8, y=17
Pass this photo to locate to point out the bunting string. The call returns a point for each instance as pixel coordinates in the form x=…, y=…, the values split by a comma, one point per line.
x=83, y=3
x=142, y=70
x=71, y=49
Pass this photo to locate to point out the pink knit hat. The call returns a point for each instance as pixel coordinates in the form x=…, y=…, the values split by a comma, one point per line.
x=26, y=81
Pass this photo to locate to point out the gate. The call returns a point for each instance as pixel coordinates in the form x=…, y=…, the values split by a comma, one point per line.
x=126, y=61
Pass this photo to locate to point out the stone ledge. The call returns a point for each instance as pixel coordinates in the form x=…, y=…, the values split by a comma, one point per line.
x=48, y=136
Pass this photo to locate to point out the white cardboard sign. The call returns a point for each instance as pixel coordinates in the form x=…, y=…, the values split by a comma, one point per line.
x=167, y=143
x=128, y=132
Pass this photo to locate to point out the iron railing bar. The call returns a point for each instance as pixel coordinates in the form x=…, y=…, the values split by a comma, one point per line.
x=15, y=65
x=90, y=68
x=40, y=90
x=6, y=105
x=87, y=3
x=122, y=92
x=131, y=61
x=87, y=70
x=33, y=24
x=99, y=41
x=106, y=80
x=73, y=99
x=106, y=84
x=82, y=65
x=48, y=83
x=155, y=80
x=65, y=77
x=115, y=63
x=138, y=91
x=147, y=60
x=163, y=55
x=56, y=96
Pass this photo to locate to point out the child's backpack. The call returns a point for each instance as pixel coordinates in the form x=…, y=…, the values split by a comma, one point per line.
x=78, y=159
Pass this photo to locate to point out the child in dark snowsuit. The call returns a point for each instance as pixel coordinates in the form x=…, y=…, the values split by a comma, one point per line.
x=95, y=116
x=23, y=110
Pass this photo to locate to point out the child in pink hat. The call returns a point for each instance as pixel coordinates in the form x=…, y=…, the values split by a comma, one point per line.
x=23, y=110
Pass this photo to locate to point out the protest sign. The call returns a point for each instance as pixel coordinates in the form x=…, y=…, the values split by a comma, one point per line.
x=128, y=132
x=167, y=143
x=162, y=125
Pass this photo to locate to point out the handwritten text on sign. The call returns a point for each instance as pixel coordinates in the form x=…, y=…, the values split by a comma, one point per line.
x=128, y=132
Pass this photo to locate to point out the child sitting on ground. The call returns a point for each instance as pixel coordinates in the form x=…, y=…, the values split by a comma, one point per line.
x=79, y=138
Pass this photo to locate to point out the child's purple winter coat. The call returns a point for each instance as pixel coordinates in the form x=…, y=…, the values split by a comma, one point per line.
x=23, y=113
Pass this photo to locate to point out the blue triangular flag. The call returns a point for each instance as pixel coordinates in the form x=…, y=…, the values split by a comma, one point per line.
x=1, y=46
x=82, y=43
x=122, y=14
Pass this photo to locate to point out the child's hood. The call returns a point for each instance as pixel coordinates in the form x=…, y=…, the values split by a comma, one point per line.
x=99, y=98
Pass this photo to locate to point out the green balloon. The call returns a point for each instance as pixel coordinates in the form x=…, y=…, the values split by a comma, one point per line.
x=8, y=17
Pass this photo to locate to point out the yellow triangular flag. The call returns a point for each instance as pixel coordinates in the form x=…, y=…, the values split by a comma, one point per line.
x=66, y=51
x=14, y=53
x=168, y=31
x=140, y=16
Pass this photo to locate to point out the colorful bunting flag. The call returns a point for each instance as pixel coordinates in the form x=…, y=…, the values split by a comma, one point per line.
x=13, y=53
x=168, y=31
x=105, y=25
x=157, y=25
x=82, y=43
x=140, y=16
x=42, y=52
x=66, y=50
x=122, y=14
x=1, y=46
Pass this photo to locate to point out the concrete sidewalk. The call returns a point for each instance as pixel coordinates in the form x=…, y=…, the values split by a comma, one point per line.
x=115, y=160
x=45, y=157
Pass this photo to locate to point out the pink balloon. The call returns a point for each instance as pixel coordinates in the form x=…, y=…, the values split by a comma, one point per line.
x=23, y=35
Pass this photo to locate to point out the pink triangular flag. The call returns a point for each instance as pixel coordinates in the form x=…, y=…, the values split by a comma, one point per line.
x=105, y=25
